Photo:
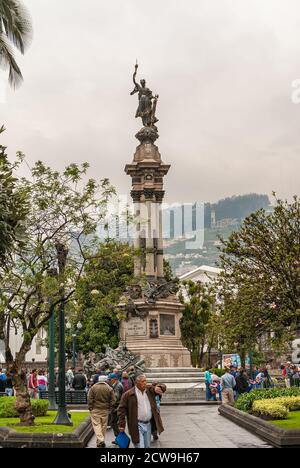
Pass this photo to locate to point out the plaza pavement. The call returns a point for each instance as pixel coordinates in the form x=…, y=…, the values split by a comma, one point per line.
x=198, y=427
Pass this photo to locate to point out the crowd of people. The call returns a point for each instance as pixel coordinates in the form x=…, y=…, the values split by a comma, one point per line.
x=117, y=397
x=236, y=381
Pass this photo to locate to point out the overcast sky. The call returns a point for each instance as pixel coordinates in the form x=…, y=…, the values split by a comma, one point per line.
x=223, y=69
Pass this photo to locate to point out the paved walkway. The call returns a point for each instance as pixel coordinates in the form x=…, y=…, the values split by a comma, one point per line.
x=198, y=427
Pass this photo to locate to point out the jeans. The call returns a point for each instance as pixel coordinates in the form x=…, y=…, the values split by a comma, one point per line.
x=9, y=391
x=145, y=435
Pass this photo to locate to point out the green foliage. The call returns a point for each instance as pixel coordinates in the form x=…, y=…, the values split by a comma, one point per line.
x=260, y=284
x=277, y=408
x=7, y=410
x=98, y=293
x=16, y=29
x=218, y=372
x=198, y=302
x=270, y=409
x=245, y=401
x=13, y=205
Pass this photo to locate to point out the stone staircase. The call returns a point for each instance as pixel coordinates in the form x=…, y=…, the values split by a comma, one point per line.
x=184, y=384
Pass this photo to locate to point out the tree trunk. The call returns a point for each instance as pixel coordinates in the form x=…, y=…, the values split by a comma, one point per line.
x=243, y=358
x=22, y=404
x=209, y=357
x=201, y=354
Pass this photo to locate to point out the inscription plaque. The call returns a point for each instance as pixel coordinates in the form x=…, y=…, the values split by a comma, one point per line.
x=136, y=327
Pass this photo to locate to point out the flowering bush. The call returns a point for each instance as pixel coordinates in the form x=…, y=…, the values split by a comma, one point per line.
x=270, y=409
x=246, y=401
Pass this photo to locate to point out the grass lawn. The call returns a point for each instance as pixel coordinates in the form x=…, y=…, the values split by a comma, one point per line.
x=45, y=424
x=293, y=421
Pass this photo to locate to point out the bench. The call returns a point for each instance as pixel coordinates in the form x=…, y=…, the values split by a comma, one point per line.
x=77, y=397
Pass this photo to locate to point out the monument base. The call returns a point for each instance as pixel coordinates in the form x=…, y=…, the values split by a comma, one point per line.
x=155, y=334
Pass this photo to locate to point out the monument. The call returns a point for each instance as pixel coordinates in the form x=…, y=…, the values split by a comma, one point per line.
x=153, y=311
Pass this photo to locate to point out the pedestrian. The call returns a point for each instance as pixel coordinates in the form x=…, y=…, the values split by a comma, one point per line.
x=9, y=388
x=158, y=404
x=287, y=373
x=295, y=377
x=96, y=376
x=33, y=385
x=42, y=381
x=138, y=405
x=228, y=386
x=2, y=381
x=126, y=382
x=267, y=379
x=132, y=375
x=101, y=399
x=242, y=383
x=79, y=381
x=118, y=391
x=216, y=387
x=207, y=377
x=69, y=378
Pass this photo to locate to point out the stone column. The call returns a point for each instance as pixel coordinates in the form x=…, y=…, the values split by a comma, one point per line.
x=150, y=272
x=136, y=197
x=160, y=251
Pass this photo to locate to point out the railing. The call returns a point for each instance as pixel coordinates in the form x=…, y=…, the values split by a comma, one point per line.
x=76, y=397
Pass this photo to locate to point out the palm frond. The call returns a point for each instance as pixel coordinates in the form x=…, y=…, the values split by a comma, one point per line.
x=16, y=23
x=7, y=60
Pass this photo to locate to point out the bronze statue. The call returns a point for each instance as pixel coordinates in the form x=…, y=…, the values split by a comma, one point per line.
x=146, y=109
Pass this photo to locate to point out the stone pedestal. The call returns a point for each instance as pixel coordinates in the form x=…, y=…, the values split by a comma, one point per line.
x=156, y=337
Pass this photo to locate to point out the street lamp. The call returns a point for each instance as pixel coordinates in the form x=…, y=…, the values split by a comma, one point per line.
x=52, y=272
x=62, y=417
x=74, y=335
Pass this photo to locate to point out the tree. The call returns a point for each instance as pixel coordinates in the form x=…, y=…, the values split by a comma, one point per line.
x=63, y=216
x=260, y=283
x=15, y=27
x=198, y=299
x=98, y=293
x=13, y=205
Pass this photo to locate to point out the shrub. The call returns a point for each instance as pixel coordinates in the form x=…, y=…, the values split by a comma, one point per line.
x=270, y=409
x=218, y=372
x=245, y=401
x=7, y=409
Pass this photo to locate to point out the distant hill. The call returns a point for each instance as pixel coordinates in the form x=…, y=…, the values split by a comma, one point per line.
x=239, y=207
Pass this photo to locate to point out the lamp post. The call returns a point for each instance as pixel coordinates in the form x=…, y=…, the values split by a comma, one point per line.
x=74, y=336
x=62, y=417
x=51, y=354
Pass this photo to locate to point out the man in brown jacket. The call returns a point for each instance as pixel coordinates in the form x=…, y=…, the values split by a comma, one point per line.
x=101, y=399
x=139, y=406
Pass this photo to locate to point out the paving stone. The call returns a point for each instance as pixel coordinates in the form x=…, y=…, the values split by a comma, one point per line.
x=198, y=427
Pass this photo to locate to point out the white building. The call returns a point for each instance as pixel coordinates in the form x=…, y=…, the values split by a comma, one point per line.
x=205, y=274
x=38, y=352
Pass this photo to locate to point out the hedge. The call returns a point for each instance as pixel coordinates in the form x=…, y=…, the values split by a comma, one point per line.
x=7, y=410
x=245, y=401
x=277, y=408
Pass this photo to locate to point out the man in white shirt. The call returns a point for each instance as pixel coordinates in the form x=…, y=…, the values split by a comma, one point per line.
x=139, y=406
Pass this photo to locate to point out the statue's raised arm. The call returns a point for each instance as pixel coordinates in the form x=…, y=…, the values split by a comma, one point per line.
x=137, y=86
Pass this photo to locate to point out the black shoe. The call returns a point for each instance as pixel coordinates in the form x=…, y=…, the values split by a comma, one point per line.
x=101, y=445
